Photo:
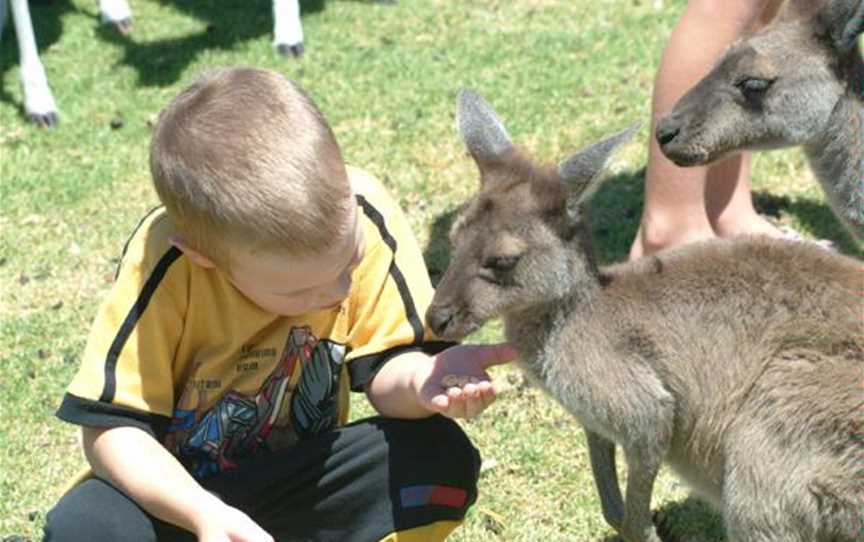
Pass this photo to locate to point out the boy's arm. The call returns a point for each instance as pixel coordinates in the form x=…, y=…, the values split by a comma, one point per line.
x=137, y=464
x=409, y=385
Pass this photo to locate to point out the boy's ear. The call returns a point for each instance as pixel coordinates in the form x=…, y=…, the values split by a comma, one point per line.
x=843, y=20
x=196, y=257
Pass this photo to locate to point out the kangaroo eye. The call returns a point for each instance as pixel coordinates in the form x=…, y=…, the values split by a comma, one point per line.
x=501, y=264
x=753, y=87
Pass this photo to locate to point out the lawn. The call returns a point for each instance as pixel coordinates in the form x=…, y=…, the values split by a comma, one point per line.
x=561, y=74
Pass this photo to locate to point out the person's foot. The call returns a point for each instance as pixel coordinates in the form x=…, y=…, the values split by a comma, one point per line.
x=760, y=225
x=791, y=234
x=750, y=224
x=652, y=240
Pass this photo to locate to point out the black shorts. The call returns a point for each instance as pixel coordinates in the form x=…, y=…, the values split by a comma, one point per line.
x=360, y=482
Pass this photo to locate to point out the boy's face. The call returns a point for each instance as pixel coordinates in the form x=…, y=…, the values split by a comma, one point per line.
x=293, y=286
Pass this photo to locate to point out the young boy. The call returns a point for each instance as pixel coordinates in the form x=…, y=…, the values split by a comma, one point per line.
x=213, y=391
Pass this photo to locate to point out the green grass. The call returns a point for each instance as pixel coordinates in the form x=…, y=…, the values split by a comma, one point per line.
x=560, y=73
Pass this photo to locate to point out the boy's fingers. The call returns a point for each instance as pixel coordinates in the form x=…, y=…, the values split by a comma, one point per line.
x=487, y=394
x=497, y=354
x=440, y=403
x=456, y=408
x=473, y=400
x=473, y=404
x=473, y=407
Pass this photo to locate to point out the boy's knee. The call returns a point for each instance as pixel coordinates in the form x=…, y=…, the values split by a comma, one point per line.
x=453, y=437
x=441, y=442
x=94, y=511
x=461, y=452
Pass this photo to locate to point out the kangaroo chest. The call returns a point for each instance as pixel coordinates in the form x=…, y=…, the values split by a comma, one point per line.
x=595, y=383
x=575, y=379
x=838, y=163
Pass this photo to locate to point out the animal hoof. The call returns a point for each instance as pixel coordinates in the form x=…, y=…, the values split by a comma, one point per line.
x=295, y=51
x=124, y=26
x=44, y=120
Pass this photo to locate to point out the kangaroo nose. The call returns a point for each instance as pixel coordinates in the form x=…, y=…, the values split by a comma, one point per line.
x=438, y=319
x=666, y=132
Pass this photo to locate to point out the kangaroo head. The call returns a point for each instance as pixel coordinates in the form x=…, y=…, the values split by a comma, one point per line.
x=522, y=239
x=773, y=89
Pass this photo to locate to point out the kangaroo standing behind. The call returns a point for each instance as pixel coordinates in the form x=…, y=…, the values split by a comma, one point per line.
x=799, y=81
x=740, y=364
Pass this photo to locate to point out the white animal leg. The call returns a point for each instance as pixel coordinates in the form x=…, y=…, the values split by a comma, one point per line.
x=38, y=100
x=118, y=13
x=287, y=29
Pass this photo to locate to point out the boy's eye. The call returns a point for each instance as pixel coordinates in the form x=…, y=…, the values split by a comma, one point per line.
x=753, y=87
x=501, y=264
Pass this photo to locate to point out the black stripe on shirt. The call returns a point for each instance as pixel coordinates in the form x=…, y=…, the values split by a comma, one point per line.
x=410, y=309
x=81, y=411
x=362, y=370
x=129, y=240
x=128, y=325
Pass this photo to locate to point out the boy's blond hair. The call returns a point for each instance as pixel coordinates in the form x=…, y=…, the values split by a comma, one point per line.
x=244, y=156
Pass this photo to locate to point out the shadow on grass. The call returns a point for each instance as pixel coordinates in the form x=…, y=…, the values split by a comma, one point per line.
x=437, y=251
x=690, y=520
x=816, y=217
x=159, y=62
x=228, y=24
x=615, y=211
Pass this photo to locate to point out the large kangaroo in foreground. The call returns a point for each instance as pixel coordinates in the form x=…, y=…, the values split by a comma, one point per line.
x=739, y=363
x=799, y=81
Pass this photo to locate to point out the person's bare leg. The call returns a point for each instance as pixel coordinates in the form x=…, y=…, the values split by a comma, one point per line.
x=676, y=209
x=729, y=202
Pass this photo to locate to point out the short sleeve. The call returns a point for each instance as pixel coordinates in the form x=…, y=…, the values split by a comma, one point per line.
x=127, y=371
x=393, y=291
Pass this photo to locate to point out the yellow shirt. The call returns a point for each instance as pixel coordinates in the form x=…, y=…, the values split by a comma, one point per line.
x=177, y=351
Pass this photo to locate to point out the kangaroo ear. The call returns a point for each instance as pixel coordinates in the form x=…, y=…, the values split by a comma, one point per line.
x=844, y=22
x=482, y=131
x=582, y=171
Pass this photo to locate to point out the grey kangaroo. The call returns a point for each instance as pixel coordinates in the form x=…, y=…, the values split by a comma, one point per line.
x=738, y=363
x=799, y=81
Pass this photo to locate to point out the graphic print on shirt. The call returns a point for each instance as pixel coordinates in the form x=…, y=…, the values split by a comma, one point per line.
x=237, y=426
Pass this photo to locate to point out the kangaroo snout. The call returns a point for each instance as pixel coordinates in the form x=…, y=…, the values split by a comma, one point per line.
x=438, y=318
x=684, y=150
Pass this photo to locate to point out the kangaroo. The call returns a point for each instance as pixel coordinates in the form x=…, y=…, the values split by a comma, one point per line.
x=799, y=81
x=739, y=363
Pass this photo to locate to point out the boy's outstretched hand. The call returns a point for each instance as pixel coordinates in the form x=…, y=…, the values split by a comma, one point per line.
x=467, y=363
